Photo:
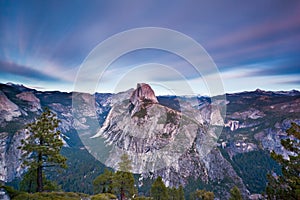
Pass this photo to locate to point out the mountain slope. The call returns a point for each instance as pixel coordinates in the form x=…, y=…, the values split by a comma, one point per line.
x=146, y=126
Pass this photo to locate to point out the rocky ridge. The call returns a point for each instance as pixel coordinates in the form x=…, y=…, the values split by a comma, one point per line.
x=165, y=142
x=33, y=101
x=8, y=110
x=256, y=121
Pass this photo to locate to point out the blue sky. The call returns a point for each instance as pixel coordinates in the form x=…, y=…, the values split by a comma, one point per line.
x=255, y=44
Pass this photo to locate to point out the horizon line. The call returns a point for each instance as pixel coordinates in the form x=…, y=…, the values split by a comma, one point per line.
x=41, y=89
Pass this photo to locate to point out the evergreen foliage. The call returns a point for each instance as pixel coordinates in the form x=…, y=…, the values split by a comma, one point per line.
x=202, y=195
x=125, y=164
x=287, y=186
x=82, y=169
x=42, y=146
x=235, y=194
x=120, y=183
x=123, y=181
x=181, y=193
x=158, y=190
x=254, y=173
x=29, y=184
x=103, y=183
x=176, y=193
x=173, y=193
x=123, y=184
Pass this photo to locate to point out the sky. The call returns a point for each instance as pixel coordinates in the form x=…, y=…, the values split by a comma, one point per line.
x=253, y=44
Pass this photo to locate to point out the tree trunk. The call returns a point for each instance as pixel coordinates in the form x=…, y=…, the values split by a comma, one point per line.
x=30, y=185
x=122, y=194
x=39, y=175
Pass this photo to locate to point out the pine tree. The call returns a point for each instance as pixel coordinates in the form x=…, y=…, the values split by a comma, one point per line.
x=123, y=181
x=159, y=190
x=181, y=193
x=125, y=164
x=235, y=194
x=287, y=186
x=176, y=193
x=202, y=195
x=173, y=193
x=29, y=184
x=42, y=146
x=104, y=182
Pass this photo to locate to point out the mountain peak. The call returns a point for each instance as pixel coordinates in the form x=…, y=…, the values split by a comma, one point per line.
x=142, y=93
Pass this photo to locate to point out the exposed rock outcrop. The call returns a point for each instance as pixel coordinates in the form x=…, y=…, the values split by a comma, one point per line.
x=143, y=92
x=150, y=133
x=232, y=124
x=10, y=156
x=251, y=114
x=164, y=142
x=8, y=109
x=33, y=101
x=142, y=96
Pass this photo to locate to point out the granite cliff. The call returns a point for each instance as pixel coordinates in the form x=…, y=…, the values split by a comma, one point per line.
x=149, y=128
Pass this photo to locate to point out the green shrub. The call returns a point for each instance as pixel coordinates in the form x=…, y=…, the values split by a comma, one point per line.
x=11, y=191
x=142, y=113
x=49, y=196
x=104, y=196
x=142, y=198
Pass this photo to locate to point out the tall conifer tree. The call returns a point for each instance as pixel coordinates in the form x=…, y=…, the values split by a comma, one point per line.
x=42, y=146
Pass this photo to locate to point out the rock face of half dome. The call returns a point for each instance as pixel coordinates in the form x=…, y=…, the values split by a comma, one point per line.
x=142, y=96
x=143, y=92
x=162, y=141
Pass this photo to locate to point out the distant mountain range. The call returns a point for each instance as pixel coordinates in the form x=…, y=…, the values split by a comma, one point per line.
x=164, y=136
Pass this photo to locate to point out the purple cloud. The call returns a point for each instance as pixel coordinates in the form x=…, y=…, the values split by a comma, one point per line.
x=24, y=71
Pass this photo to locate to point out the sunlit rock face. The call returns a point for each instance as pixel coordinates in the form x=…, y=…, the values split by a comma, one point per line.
x=8, y=109
x=142, y=95
x=10, y=163
x=143, y=92
x=167, y=136
x=31, y=99
x=153, y=135
x=161, y=141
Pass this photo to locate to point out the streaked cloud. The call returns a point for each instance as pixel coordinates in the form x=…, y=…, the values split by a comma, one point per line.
x=25, y=71
x=279, y=68
x=46, y=42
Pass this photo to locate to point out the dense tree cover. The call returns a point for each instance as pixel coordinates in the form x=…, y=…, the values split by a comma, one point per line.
x=29, y=184
x=82, y=169
x=254, y=173
x=287, y=185
x=42, y=146
x=104, y=182
x=123, y=180
x=195, y=184
x=235, y=194
x=176, y=194
x=120, y=183
x=173, y=193
x=158, y=190
x=202, y=195
x=123, y=184
x=181, y=193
